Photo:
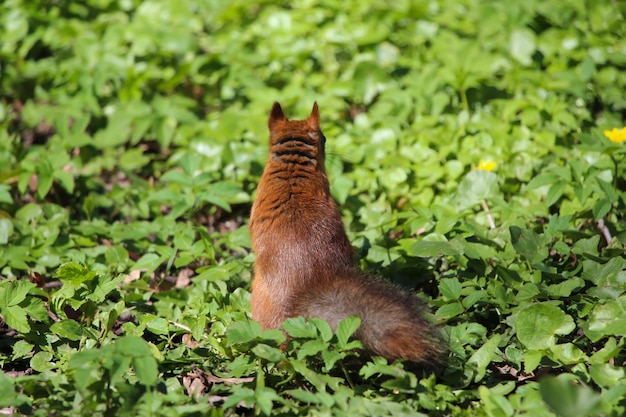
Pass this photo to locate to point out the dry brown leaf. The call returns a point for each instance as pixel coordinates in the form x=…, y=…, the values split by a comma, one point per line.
x=198, y=382
x=189, y=341
x=132, y=276
x=183, y=278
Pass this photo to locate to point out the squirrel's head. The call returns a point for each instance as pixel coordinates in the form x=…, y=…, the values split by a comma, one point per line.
x=297, y=137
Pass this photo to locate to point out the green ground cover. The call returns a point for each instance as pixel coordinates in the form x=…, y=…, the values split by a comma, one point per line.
x=133, y=134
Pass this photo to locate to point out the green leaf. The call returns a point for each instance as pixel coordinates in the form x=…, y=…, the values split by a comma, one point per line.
x=607, y=375
x=14, y=292
x=473, y=298
x=522, y=45
x=45, y=178
x=564, y=289
x=568, y=397
x=299, y=327
x=346, y=328
x=268, y=353
x=265, y=398
x=15, y=318
x=555, y=192
x=601, y=208
x=68, y=329
x=478, y=185
x=538, y=324
x=450, y=288
x=158, y=325
x=146, y=368
x=532, y=246
x=42, y=362
x=149, y=262
x=568, y=354
x=304, y=396
x=481, y=358
x=424, y=248
x=495, y=405
x=22, y=349
x=243, y=332
x=74, y=273
x=311, y=348
x=607, y=319
x=323, y=327
x=448, y=311
x=6, y=229
x=28, y=213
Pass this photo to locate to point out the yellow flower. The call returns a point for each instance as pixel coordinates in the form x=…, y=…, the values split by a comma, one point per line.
x=487, y=165
x=616, y=135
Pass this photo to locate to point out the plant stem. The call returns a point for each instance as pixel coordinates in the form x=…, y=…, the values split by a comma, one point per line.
x=604, y=230
x=492, y=225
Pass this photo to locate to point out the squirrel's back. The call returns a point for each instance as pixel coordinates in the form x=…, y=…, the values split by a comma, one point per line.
x=304, y=261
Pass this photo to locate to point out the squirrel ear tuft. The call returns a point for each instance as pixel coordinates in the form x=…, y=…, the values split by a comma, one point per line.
x=276, y=115
x=313, y=121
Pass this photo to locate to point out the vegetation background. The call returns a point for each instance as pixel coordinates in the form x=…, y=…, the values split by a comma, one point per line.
x=133, y=134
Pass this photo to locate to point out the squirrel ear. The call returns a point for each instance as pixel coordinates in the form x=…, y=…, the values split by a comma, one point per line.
x=313, y=121
x=276, y=115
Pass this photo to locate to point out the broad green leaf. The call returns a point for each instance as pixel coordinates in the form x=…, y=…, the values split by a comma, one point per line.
x=268, y=353
x=568, y=398
x=330, y=357
x=568, y=354
x=484, y=356
x=538, y=324
x=311, y=348
x=522, y=45
x=495, y=405
x=243, y=332
x=42, y=362
x=607, y=375
x=13, y=293
x=6, y=230
x=74, y=273
x=530, y=245
x=609, y=351
x=15, y=317
x=424, y=248
x=601, y=208
x=158, y=325
x=564, y=289
x=265, y=398
x=555, y=192
x=304, y=396
x=346, y=328
x=450, y=288
x=299, y=327
x=45, y=178
x=447, y=311
x=35, y=308
x=9, y=396
x=22, y=349
x=323, y=327
x=146, y=368
x=473, y=298
x=611, y=274
x=607, y=319
x=68, y=329
x=28, y=213
x=478, y=185
x=149, y=262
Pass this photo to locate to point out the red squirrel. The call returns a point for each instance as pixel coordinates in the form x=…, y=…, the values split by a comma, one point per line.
x=305, y=264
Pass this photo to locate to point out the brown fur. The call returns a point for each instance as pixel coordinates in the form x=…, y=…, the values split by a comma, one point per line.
x=304, y=261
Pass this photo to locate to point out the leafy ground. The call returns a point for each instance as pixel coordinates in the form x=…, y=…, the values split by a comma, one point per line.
x=133, y=134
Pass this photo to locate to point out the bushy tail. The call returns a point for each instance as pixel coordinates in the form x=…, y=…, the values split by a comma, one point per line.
x=392, y=320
